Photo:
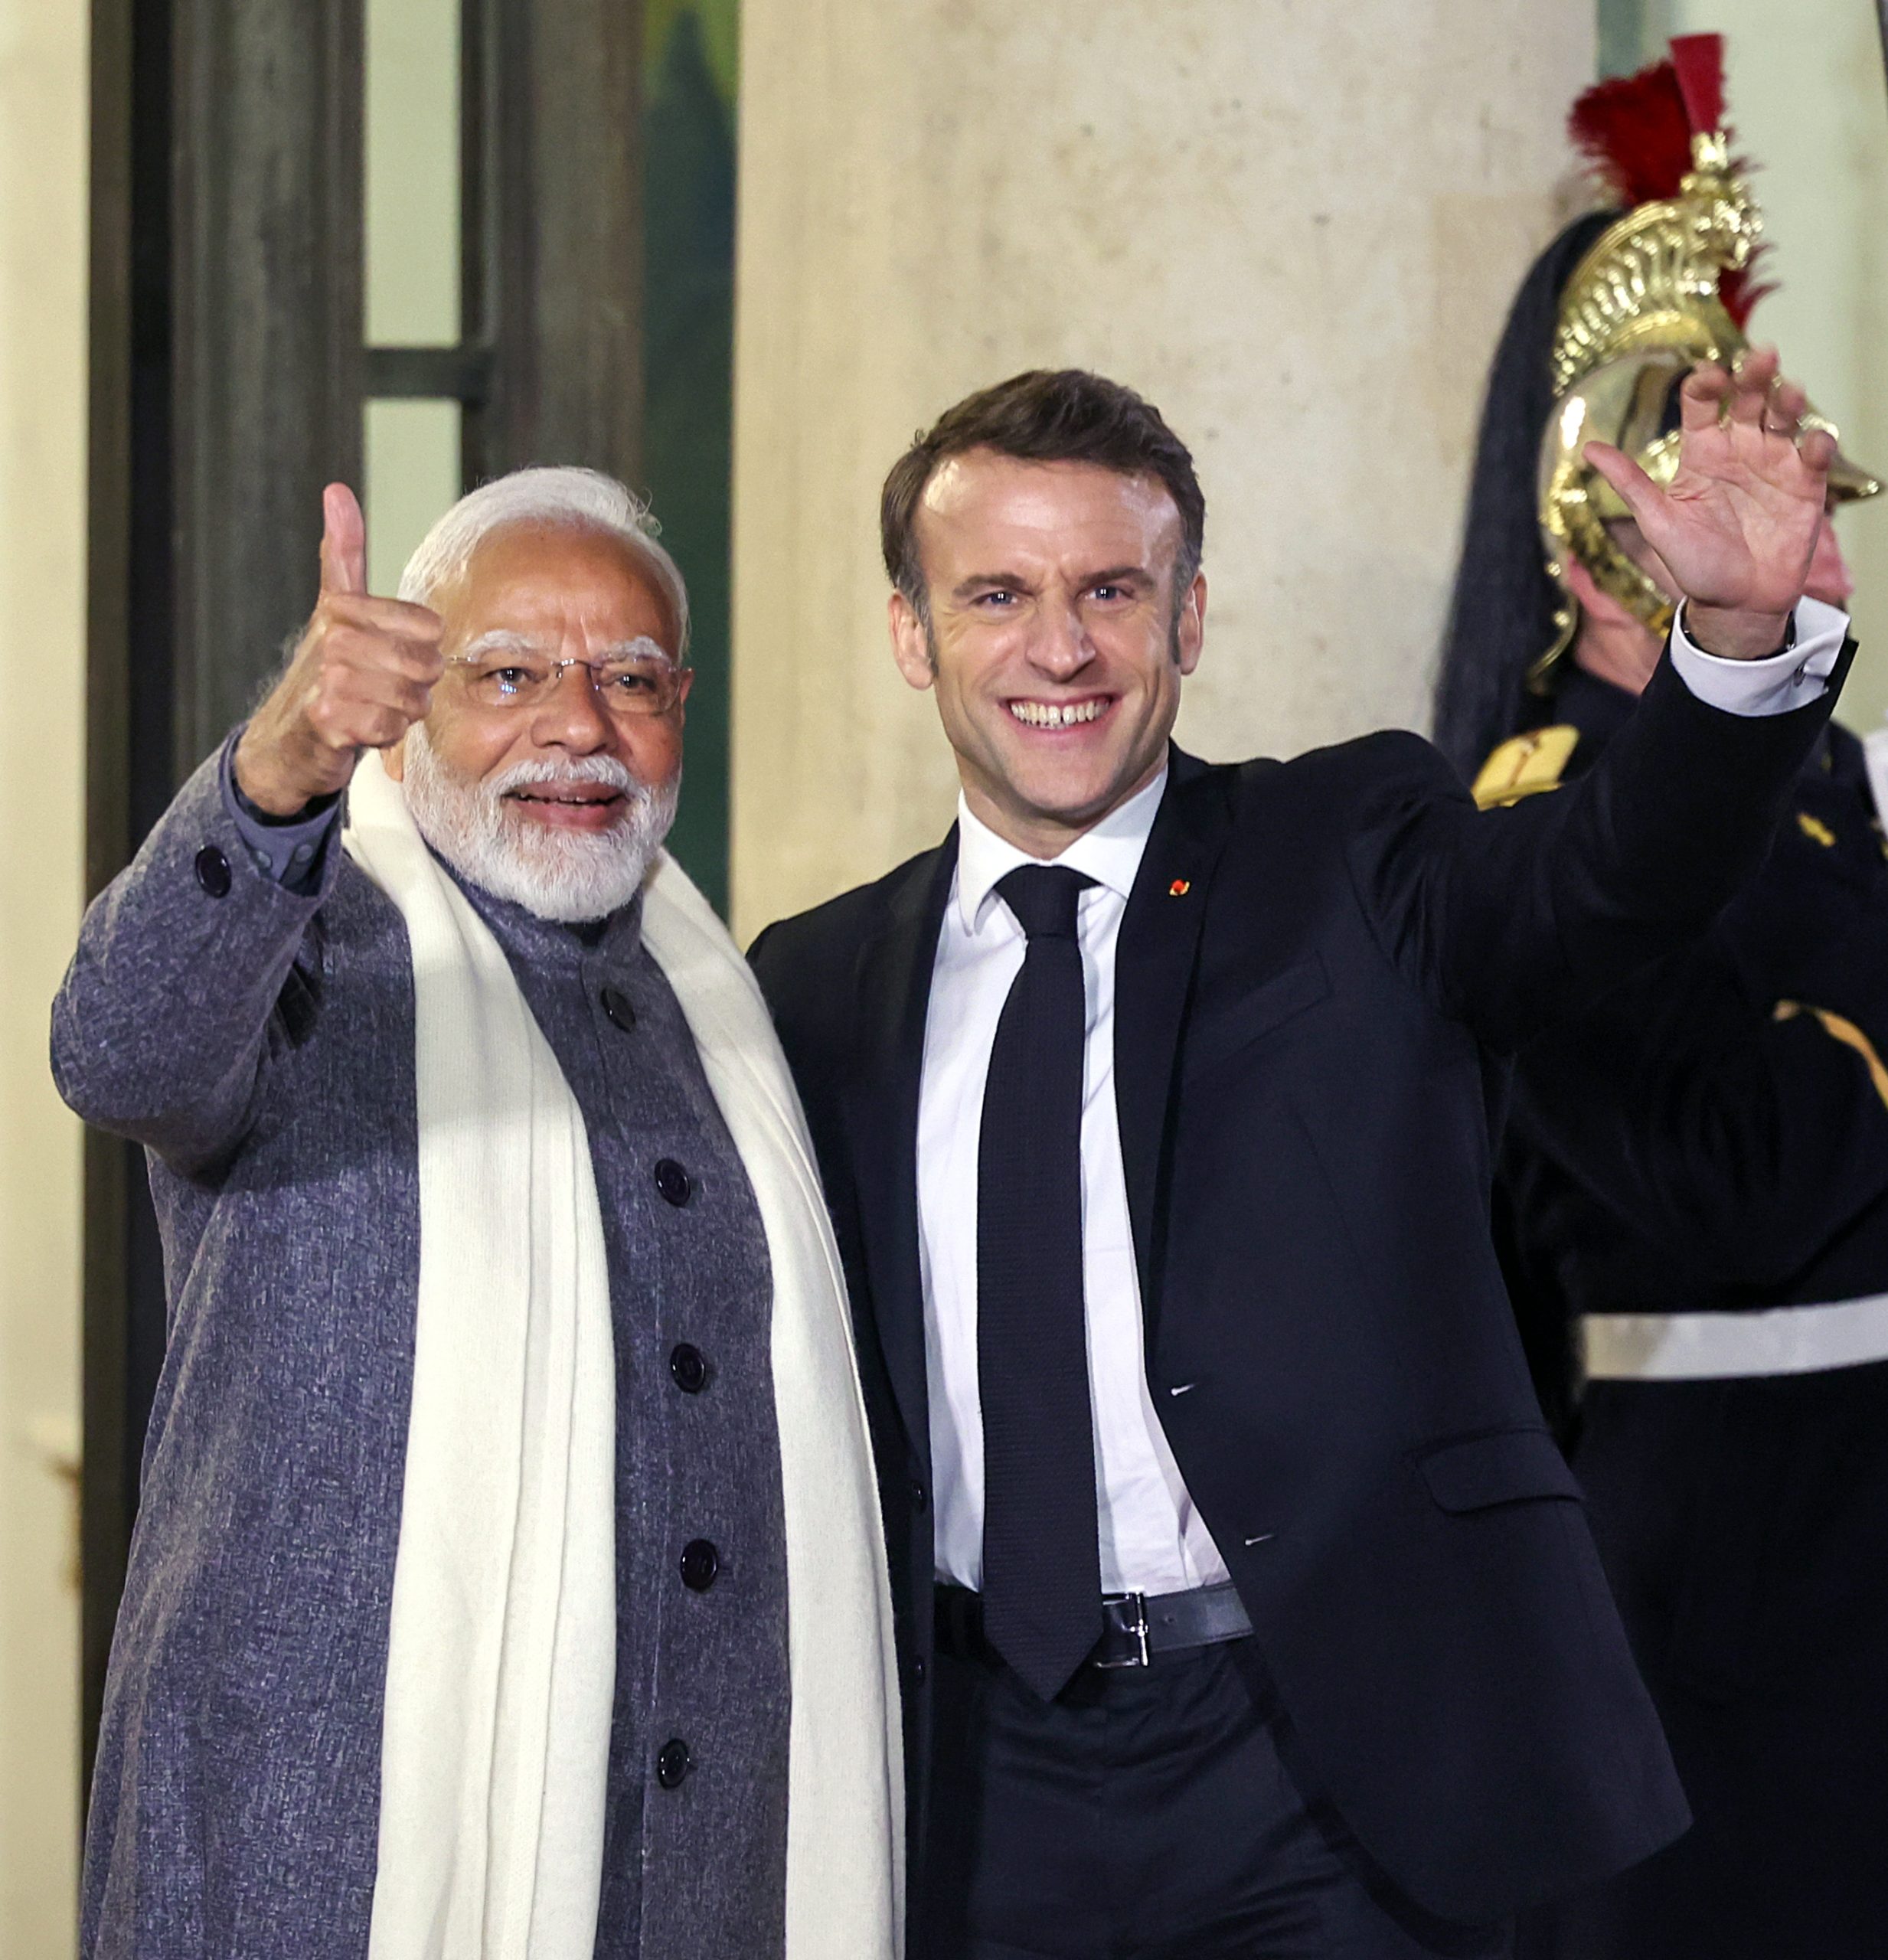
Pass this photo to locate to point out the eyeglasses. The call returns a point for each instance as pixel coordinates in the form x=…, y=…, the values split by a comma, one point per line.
x=641, y=680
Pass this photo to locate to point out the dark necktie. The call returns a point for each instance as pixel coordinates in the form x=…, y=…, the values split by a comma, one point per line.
x=1041, y=1562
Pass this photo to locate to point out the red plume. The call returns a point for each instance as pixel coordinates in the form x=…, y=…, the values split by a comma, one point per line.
x=1740, y=292
x=1635, y=131
x=1699, y=60
x=1635, y=134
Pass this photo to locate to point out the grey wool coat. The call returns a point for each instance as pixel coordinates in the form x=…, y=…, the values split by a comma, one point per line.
x=259, y=1040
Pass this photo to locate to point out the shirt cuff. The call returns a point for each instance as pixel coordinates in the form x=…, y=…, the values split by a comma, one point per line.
x=1791, y=679
x=288, y=850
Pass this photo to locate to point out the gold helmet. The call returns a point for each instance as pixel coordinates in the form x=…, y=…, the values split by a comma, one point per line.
x=1665, y=286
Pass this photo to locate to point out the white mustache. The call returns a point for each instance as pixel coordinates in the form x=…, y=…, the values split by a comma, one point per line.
x=557, y=873
x=605, y=769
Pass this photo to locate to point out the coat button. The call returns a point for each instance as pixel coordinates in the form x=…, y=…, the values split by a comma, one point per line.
x=700, y=1565
x=689, y=1368
x=918, y=1669
x=672, y=1182
x=213, y=871
x=673, y=1762
x=616, y=1005
x=920, y=1497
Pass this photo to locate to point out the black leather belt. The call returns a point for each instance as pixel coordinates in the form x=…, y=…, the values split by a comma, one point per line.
x=1135, y=1626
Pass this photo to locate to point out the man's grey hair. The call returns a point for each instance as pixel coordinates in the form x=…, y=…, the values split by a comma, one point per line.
x=585, y=499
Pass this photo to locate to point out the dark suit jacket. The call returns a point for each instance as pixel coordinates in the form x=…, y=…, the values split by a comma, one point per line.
x=1322, y=964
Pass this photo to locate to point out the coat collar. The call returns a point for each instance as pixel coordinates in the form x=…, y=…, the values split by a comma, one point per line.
x=1110, y=853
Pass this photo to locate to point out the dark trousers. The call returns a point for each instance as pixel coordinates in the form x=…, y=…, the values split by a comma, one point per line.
x=1146, y=1813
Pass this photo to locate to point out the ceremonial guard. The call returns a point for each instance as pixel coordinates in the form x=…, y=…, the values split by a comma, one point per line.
x=1694, y=1187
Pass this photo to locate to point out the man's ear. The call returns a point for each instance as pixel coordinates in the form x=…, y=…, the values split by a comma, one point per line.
x=911, y=645
x=1190, y=628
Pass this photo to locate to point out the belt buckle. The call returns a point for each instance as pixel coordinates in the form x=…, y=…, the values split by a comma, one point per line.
x=1136, y=1629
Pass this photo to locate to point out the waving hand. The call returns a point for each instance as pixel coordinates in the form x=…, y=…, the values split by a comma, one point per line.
x=1739, y=525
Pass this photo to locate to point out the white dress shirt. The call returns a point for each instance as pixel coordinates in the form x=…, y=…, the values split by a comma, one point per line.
x=1152, y=1539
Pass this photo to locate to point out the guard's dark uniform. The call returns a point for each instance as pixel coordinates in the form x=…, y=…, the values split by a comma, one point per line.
x=1714, y=1138
x=1699, y=1165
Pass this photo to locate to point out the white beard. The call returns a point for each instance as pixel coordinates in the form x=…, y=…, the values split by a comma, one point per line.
x=567, y=875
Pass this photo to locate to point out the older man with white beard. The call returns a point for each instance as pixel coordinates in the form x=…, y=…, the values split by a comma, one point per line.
x=507, y=1583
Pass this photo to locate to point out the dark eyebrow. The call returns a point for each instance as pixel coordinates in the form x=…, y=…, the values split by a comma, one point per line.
x=991, y=581
x=1015, y=581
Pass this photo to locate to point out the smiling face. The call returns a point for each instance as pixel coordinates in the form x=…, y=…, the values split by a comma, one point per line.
x=1055, y=644
x=557, y=804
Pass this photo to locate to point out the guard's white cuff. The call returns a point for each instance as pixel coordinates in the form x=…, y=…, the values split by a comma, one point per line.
x=1791, y=679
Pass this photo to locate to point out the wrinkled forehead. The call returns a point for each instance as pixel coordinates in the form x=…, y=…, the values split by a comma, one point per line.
x=500, y=643
x=554, y=582
x=1068, y=517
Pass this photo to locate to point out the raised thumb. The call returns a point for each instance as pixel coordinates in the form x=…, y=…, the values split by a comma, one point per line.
x=343, y=541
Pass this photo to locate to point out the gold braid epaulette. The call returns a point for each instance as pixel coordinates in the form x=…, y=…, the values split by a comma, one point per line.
x=1525, y=764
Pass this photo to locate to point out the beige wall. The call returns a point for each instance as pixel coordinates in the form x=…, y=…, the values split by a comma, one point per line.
x=1806, y=94
x=1295, y=228
x=43, y=226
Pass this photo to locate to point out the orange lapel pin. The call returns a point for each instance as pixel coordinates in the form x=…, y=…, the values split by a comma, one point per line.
x=1180, y=888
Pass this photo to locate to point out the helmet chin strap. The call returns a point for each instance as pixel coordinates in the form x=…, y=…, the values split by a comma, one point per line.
x=1566, y=623
x=1611, y=639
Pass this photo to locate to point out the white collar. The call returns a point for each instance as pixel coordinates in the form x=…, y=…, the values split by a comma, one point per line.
x=1110, y=853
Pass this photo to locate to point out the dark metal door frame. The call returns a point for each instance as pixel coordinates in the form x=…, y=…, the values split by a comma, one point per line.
x=228, y=379
x=225, y=345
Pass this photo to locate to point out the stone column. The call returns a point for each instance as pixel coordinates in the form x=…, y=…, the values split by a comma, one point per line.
x=1295, y=228
x=43, y=238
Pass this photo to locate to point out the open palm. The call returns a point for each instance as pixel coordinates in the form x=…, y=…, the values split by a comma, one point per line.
x=1739, y=525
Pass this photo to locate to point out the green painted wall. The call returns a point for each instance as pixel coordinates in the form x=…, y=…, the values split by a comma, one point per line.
x=1632, y=32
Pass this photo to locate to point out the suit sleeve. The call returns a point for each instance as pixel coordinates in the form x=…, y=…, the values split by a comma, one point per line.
x=1510, y=919
x=160, y=1028
x=1743, y=1143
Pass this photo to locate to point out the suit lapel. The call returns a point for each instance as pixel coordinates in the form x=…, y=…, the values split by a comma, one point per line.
x=894, y=984
x=1154, y=963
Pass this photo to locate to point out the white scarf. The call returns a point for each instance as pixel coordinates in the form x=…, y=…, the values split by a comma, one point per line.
x=501, y=1657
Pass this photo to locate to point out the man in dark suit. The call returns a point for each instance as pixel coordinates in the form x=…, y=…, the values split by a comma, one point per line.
x=1246, y=1606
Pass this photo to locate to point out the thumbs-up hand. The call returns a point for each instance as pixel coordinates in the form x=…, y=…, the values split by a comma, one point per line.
x=361, y=676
